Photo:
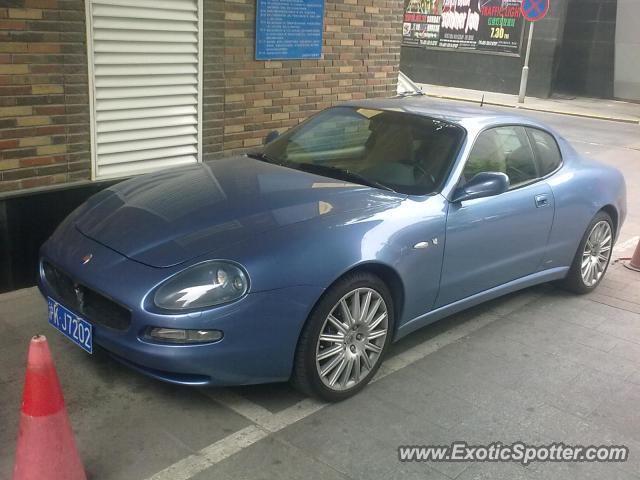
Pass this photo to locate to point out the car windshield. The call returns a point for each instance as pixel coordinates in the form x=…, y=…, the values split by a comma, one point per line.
x=398, y=151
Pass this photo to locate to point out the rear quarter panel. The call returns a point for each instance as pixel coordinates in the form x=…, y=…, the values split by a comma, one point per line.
x=581, y=188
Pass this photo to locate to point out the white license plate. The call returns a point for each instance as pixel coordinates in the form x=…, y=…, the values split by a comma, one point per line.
x=76, y=329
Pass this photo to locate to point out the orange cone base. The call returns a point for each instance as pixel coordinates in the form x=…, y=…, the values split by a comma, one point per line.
x=46, y=449
x=634, y=263
x=631, y=266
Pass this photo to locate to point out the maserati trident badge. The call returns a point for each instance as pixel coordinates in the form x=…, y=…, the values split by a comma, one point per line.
x=79, y=295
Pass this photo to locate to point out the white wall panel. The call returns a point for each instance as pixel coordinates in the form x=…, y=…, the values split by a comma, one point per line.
x=145, y=64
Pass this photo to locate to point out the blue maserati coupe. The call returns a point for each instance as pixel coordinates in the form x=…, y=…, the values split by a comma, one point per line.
x=304, y=260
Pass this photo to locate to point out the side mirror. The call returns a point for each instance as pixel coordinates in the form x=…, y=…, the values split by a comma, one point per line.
x=484, y=184
x=271, y=136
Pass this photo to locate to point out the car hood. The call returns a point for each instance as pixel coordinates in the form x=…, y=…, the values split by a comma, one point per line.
x=167, y=218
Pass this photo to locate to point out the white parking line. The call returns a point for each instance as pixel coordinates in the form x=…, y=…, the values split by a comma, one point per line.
x=295, y=413
x=241, y=405
x=193, y=464
x=267, y=422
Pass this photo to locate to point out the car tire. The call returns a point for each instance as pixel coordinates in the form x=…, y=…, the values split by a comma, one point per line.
x=352, y=346
x=576, y=280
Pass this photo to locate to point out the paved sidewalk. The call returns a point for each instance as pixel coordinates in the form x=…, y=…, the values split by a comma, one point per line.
x=579, y=106
x=538, y=366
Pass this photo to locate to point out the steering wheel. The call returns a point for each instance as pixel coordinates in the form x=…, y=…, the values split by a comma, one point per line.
x=423, y=174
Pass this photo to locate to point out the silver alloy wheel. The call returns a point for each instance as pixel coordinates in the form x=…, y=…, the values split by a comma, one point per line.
x=596, y=254
x=351, y=339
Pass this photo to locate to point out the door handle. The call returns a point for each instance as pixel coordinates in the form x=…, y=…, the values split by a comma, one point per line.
x=542, y=201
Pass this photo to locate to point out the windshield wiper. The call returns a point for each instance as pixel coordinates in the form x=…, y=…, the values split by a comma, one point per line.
x=322, y=170
x=342, y=174
x=263, y=157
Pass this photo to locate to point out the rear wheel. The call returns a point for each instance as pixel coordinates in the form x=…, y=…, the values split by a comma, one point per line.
x=593, y=256
x=343, y=342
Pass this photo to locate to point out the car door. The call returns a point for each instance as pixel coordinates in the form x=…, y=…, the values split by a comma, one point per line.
x=494, y=240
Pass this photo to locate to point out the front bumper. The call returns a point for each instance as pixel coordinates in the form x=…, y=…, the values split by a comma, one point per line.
x=260, y=331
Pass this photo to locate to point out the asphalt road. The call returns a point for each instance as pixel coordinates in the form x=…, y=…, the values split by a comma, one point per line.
x=538, y=366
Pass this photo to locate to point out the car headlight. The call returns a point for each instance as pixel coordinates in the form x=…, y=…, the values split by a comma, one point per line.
x=204, y=285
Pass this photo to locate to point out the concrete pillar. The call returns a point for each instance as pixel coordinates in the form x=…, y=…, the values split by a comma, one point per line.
x=627, y=61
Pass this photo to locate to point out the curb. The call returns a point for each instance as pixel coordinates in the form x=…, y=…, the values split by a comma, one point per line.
x=534, y=109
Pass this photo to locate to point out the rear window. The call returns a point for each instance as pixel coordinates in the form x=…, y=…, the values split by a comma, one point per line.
x=548, y=153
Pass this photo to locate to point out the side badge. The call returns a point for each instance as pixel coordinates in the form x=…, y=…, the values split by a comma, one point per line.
x=87, y=258
x=423, y=245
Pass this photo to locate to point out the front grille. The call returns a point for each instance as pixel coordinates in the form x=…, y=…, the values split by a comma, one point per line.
x=96, y=308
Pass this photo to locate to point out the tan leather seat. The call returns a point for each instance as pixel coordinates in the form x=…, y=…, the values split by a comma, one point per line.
x=391, y=144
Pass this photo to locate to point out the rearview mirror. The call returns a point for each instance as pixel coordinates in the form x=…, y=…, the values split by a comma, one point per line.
x=484, y=184
x=271, y=136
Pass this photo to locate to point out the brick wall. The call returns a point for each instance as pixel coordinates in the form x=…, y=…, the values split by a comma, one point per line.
x=361, y=54
x=44, y=105
x=213, y=79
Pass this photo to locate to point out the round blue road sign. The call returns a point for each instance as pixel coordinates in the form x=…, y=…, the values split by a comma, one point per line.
x=534, y=10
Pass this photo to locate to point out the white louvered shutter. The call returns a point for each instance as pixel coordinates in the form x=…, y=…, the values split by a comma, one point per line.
x=146, y=71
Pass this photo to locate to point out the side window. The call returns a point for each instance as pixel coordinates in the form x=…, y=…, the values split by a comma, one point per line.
x=506, y=150
x=549, y=157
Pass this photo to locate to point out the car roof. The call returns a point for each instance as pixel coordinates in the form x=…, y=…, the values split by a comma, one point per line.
x=470, y=116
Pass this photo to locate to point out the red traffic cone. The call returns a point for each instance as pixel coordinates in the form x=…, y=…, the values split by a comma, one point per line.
x=46, y=449
x=634, y=264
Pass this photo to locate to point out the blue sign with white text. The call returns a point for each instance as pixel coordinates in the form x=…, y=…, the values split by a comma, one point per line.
x=289, y=29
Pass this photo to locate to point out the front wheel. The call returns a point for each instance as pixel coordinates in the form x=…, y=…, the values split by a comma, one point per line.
x=592, y=258
x=343, y=342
